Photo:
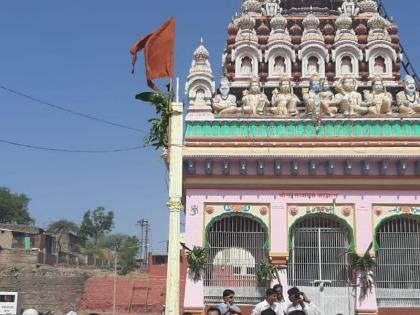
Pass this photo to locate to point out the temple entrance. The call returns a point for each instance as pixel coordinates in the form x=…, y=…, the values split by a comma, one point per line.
x=318, y=264
x=235, y=245
x=398, y=263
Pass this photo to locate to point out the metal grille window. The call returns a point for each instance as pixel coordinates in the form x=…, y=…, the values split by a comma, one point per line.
x=235, y=245
x=319, y=247
x=398, y=263
x=318, y=264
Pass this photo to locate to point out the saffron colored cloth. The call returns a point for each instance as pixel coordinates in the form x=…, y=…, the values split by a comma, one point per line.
x=158, y=52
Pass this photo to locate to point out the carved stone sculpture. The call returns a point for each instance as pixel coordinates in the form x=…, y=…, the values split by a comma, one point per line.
x=224, y=103
x=408, y=101
x=349, y=100
x=319, y=100
x=349, y=7
x=378, y=100
x=254, y=100
x=328, y=102
x=284, y=102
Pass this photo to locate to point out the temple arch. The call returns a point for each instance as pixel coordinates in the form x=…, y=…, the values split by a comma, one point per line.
x=246, y=59
x=314, y=58
x=397, y=273
x=318, y=261
x=280, y=59
x=380, y=59
x=235, y=244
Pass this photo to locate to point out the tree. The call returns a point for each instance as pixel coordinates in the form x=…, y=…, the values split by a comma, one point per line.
x=127, y=255
x=95, y=224
x=114, y=241
x=14, y=207
x=60, y=229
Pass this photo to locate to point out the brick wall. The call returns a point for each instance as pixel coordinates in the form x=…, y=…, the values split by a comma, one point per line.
x=144, y=295
x=44, y=288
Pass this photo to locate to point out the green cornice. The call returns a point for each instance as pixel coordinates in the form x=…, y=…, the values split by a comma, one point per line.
x=284, y=128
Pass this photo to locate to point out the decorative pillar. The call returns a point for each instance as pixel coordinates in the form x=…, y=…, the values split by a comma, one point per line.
x=175, y=206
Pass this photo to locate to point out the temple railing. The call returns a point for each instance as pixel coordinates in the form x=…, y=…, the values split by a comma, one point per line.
x=283, y=128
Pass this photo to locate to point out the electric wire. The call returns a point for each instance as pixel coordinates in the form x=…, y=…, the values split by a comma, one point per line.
x=36, y=147
x=29, y=146
x=70, y=111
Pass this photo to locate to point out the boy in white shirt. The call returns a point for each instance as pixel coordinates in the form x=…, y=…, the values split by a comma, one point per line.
x=270, y=302
x=300, y=302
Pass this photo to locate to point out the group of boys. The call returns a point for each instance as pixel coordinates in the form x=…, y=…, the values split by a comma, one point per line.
x=273, y=304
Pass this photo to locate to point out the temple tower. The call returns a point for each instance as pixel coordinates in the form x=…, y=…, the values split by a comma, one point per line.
x=306, y=155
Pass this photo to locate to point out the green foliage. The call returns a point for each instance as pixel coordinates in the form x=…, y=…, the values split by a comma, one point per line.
x=127, y=255
x=114, y=242
x=158, y=133
x=95, y=224
x=14, y=207
x=266, y=272
x=95, y=249
x=196, y=259
x=363, y=266
x=61, y=228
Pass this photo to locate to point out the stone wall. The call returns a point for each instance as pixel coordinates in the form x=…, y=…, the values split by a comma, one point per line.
x=10, y=257
x=44, y=288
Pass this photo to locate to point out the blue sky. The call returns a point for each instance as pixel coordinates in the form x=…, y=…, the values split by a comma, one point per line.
x=75, y=54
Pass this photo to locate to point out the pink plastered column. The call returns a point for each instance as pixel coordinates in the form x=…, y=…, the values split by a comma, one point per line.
x=366, y=304
x=364, y=235
x=279, y=249
x=194, y=294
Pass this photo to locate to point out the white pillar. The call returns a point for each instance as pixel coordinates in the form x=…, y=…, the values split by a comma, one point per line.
x=175, y=206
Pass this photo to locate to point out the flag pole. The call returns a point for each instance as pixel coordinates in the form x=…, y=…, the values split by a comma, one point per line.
x=175, y=135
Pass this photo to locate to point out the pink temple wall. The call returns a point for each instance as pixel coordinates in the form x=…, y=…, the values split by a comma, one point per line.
x=279, y=199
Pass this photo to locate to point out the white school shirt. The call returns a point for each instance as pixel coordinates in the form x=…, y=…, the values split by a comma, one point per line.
x=277, y=307
x=310, y=309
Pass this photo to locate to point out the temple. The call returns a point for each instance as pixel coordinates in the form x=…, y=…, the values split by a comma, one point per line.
x=304, y=154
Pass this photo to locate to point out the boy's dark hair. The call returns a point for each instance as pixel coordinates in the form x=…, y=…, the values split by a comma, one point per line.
x=270, y=292
x=187, y=313
x=276, y=286
x=293, y=291
x=214, y=309
x=268, y=311
x=297, y=312
x=228, y=292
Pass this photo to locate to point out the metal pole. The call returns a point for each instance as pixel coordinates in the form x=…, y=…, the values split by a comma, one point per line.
x=146, y=242
x=115, y=284
x=141, y=240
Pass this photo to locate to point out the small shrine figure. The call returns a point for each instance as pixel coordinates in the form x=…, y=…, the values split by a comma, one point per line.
x=224, y=103
x=408, y=101
x=317, y=100
x=272, y=8
x=347, y=97
x=378, y=100
x=254, y=101
x=328, y=102
x=349, y=7
x=284, y=102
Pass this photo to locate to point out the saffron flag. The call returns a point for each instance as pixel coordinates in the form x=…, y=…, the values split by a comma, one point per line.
x=158, y=52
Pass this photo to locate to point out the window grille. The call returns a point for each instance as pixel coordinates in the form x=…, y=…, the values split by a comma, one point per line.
x=235, y=245
x=318, y=264
x=398, y=263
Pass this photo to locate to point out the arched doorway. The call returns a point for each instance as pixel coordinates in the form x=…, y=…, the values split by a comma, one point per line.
x=398, y=262
x=318, y=263
x=235, y=245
